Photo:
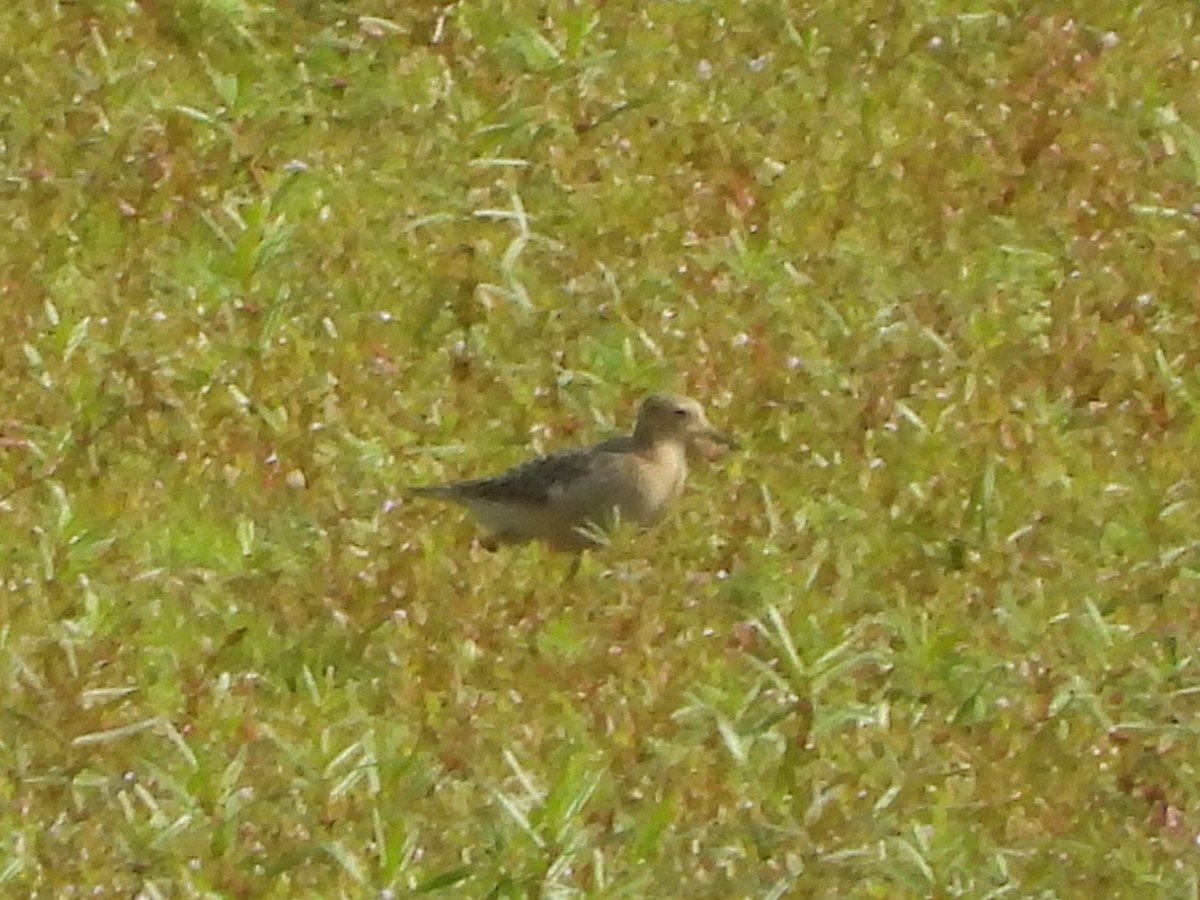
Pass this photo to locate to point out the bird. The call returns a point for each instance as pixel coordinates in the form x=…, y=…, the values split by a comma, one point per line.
x=570, y=500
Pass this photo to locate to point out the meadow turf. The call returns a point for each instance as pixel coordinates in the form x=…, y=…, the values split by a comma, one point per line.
x=932, y=633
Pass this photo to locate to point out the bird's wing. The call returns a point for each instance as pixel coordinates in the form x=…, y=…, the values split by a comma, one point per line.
x=537, y=482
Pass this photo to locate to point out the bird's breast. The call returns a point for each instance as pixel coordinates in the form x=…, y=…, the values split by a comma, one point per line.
x=661, y=474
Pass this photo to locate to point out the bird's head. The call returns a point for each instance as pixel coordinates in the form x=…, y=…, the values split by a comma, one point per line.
x=675, y=417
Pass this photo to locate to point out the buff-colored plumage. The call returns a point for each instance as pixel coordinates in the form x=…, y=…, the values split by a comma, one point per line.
x=568, y=500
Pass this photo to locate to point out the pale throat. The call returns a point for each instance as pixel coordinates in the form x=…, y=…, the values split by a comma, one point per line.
x=667, y=469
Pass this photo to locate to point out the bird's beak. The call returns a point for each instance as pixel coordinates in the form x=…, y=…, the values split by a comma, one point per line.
x=711, y=444
x=724, y=440
x=718, y=437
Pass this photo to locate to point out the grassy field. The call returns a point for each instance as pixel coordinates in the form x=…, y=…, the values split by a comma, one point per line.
x=932, y=633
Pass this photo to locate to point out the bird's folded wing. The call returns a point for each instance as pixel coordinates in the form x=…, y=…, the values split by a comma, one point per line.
x=538, y=481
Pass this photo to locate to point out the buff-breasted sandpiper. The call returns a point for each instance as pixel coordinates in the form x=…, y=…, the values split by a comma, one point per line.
x=570, y=499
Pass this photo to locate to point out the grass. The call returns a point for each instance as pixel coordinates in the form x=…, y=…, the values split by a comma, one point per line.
x=932, y=634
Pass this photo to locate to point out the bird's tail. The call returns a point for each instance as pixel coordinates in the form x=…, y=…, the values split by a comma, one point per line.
x=436, y=491
x=447, y=492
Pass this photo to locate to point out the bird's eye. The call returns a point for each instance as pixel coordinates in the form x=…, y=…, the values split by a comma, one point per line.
x=680, y=412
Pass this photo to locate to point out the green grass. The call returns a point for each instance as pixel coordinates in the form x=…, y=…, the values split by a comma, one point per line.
x=932, y=634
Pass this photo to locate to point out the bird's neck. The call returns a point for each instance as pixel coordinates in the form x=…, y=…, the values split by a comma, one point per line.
x=643, y=437
x=663, y=451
